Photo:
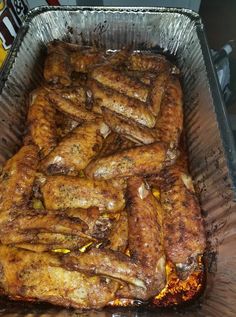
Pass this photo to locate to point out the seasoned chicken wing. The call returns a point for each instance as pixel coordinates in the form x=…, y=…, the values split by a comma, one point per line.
x=145, y=223
x=41, y=220
x=76, y=94
x=64, y=124
x=48, y=241
x=61, y=192
x=141, y=160
x=120, y=82
x=40, y=277
x=118, y=239
x=169, y=124
x=128, y=128
x=82, y=61
x=99, y=225
x=149, y=63
x=117, y=102
x=143, y=76
x=75, y=111
x=75, y=150
x=184, y=236
x=113, y=143
x=57, y=67
x=17, y=177
x=119, y=58
x=42, y=121
x=105, y=263
x=157, y=92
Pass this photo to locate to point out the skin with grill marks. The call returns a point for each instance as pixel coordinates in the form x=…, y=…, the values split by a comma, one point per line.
x=60, y=192
x=75, y=150
x=42, y=122
x=141, y=160
x=122, y=104
x=40, y=277
x=120, y=82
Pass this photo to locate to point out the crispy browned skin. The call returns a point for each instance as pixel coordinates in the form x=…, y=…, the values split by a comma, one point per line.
x=119, y=58
x=64, y=124
x=73, y=93
x=120, y=82
x=142, y=160
x=145, y=222
x=41, y=220
x=183, y=225
x=157, y=92
x=75, y=150
x=169, y=124
x=118, y=238
x=61, y=192
x=148, y=63
x=17, y=178
x=105, y=263
x=128, y=128
x=57, y=68
x=39, y=276
x=144, y=270
x=41, y=121
x=99, y=225
x=82, y=61
x=70, y=108
x=143, y=76
x=48, y=241
x=129, y=107
x=113, y=143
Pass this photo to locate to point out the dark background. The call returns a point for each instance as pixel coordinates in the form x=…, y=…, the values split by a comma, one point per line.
x=219, y=18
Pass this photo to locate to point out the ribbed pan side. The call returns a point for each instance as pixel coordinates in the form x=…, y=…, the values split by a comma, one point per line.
x=178, y=32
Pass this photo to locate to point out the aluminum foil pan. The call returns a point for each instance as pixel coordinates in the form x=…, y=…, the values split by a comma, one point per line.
x=178, y=32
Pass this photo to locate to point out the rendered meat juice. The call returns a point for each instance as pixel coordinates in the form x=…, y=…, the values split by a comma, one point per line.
x=11, y=16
